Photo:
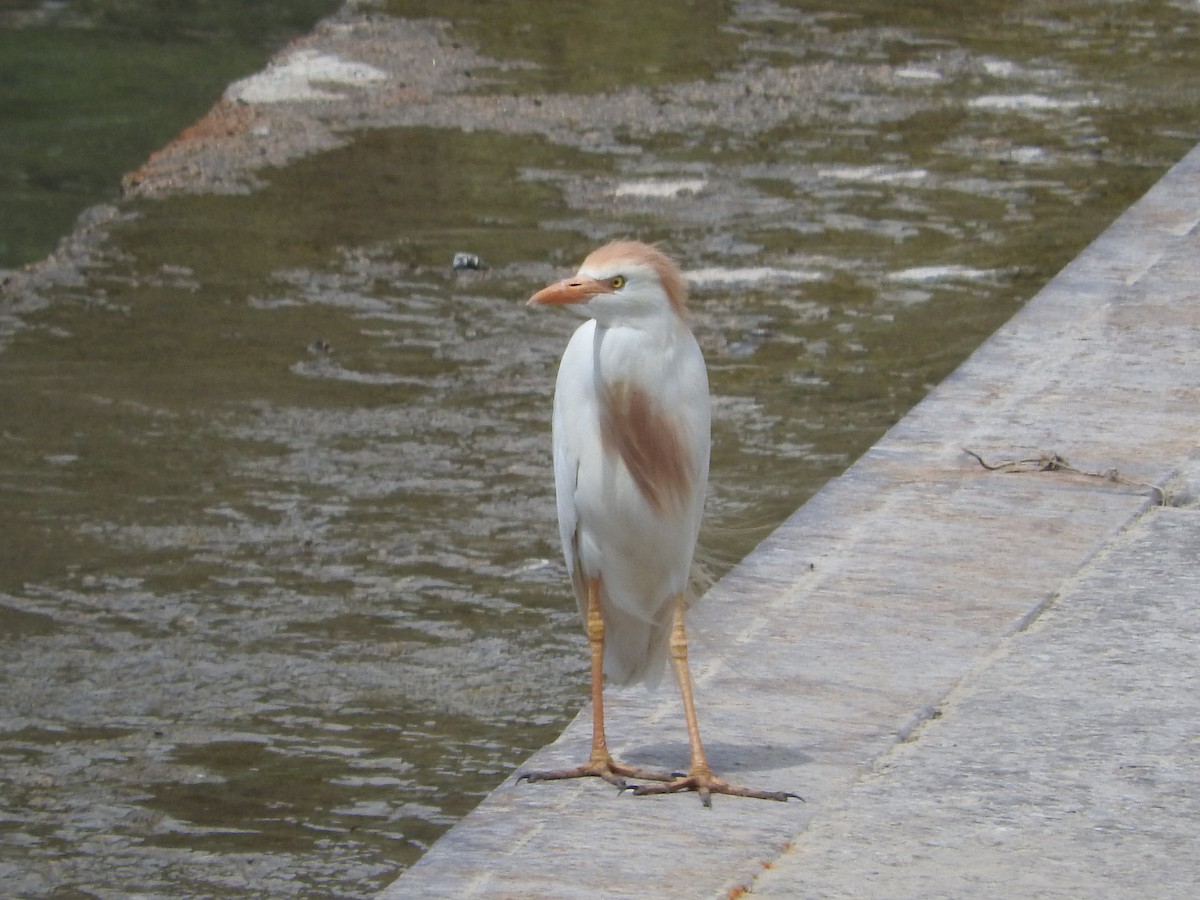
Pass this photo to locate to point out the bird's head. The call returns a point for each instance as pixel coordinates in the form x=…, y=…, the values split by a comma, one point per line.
x=625, y=282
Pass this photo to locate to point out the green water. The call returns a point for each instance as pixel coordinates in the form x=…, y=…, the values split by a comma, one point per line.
x=89, y=88
x=280, y=596
x=592, y=46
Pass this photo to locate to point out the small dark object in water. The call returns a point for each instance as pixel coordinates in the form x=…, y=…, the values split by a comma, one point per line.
x=463, y=261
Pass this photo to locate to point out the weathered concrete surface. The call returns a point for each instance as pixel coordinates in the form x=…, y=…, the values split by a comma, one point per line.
x=979, y=680
x=1064, y=767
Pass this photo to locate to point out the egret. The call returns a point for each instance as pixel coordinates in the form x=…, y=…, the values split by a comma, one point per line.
x=631, y=447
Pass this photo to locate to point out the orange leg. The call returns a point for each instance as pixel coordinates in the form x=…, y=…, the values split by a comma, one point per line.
x=600, y=763
x=700, y=777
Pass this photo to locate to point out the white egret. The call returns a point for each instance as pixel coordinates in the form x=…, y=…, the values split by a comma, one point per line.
x=631, y=446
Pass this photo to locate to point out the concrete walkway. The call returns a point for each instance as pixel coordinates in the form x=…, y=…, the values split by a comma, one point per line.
x=983, y=682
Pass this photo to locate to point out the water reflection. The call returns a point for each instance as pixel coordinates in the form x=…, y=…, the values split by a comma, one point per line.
x=88, y=88
x=280, y=593
x=595, y=46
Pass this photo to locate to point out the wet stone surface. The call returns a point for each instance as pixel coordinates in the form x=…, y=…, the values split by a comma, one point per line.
x=280, y=596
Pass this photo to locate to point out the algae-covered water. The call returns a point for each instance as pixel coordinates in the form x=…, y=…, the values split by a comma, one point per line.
x=280, y=597
x=88, y=88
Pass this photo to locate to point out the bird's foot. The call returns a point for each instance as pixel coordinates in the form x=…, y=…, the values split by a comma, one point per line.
x=599, y=767
x=705, y=783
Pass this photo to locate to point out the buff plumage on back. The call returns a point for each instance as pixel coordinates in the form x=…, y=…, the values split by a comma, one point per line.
x=650, y=446
x=644, y=254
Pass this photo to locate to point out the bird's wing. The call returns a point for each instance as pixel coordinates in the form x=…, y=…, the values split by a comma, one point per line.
x=574, y=409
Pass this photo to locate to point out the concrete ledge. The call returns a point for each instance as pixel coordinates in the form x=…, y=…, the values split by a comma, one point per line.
x=884, y=629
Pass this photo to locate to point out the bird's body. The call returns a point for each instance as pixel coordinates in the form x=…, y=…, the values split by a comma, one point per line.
x=631, y=439
x=631, y=448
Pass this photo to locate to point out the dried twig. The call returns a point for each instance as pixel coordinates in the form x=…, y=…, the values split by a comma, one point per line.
x=1053, y=462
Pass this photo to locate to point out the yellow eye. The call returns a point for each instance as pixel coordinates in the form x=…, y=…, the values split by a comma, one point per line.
x=618, y=282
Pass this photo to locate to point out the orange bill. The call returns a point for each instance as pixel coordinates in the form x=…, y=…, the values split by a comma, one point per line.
x=571, y=290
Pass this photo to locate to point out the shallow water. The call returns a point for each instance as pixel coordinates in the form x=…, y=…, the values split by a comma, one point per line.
x=88, y=88
x=279, y=585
